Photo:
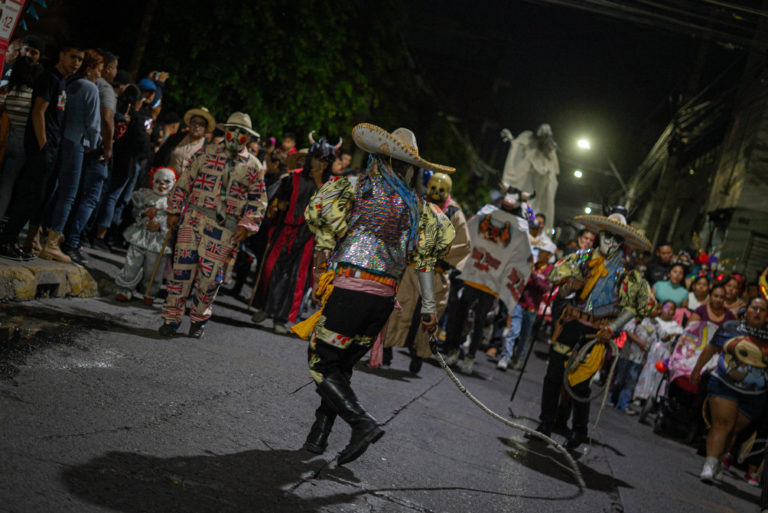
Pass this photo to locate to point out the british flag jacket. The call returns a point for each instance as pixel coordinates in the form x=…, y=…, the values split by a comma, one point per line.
x=200, y=184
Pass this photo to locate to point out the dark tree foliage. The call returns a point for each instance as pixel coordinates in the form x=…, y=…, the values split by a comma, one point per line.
x=303, y=65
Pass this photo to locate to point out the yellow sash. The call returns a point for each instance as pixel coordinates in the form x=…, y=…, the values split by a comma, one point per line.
x=585, y=370
x=598, y=270
x=324, y=288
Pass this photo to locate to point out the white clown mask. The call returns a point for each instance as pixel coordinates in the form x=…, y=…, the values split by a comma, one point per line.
x=163, y=181
x=610, y=243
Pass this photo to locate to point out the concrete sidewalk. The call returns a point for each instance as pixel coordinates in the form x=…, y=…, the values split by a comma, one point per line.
x=43, y=278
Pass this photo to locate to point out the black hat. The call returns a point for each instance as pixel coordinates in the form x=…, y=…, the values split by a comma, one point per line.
x=35, y=42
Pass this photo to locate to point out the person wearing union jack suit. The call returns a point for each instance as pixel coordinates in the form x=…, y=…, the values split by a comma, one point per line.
x=287, y=271
x=221, y=199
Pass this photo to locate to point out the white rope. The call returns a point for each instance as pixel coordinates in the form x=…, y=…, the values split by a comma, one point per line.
x=574, y=467
x=577, y=358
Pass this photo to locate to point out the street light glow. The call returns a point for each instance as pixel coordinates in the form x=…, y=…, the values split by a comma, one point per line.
x=584, y=144
x=577, y=173
x=587, y=210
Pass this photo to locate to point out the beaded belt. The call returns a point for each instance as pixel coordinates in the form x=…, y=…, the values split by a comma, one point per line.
x=352, y=272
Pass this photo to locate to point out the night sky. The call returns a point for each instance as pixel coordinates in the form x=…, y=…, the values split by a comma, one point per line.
x=517, y=64
x=520, y=64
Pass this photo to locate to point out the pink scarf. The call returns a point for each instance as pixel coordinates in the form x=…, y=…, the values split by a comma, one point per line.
x=378, y=289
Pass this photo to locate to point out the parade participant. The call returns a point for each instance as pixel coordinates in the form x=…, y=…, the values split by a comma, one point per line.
x=520, y=336
x=223, y=192
x=287, y=271
x=738, y=386
x=146, y=235
x=608, y=297
x=179, y=148
x=366, y=235
x=403, y=325
x=499, y=266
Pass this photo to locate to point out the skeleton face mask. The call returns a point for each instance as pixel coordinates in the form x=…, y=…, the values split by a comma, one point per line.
x=439, y=187
x=609, y=243
x=235, y=139
x=163, y=181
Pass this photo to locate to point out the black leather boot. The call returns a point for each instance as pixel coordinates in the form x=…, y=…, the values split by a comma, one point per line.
x=365, y=430
x=317, y=439
x=575, y=440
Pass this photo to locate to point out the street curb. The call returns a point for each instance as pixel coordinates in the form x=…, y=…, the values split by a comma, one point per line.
x=44, y=278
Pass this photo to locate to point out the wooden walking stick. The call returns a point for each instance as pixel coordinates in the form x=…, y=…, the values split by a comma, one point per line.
x=258, y=274
x=148, y=300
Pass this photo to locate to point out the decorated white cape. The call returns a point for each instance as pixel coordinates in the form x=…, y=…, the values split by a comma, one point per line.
x=501, y=255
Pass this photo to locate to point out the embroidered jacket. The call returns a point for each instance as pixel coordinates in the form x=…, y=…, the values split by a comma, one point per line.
x=610, y=287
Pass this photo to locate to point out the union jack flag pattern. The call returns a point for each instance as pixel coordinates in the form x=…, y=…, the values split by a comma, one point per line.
x=198, y=235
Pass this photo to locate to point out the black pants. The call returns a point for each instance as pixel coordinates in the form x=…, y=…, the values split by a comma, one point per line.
x=32, y=190
x=471, y=299
x=573, y=335
x=355, y=317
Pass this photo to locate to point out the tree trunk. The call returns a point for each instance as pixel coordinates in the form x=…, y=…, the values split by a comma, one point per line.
x=142, y=37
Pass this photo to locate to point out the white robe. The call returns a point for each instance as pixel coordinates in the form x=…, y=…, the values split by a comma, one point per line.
x=528, y=169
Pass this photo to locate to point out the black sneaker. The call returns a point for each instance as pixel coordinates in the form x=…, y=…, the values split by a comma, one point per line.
x=101, y=244
x=76, y=255
x=167, y=330
x=12, y=252
x=197, y=329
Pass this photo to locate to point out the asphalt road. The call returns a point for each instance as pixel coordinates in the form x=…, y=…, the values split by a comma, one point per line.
x=100, y=414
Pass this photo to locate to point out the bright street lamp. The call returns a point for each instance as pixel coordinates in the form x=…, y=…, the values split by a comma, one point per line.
x=587, y=210
x=584, y=144
x=577, y=173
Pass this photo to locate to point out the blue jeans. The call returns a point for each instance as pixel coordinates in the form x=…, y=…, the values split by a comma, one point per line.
x=70, y=168
x=520, y=329
x=624, y=382
x=94, y=176
x=12, y=165
x=117, y=193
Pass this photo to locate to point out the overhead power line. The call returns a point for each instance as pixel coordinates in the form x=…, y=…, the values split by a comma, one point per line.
x=713, y=23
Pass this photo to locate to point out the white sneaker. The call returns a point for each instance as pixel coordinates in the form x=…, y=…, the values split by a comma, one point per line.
x=452, y=358
x=468, y=365
x=709, y=471
x=503, y=363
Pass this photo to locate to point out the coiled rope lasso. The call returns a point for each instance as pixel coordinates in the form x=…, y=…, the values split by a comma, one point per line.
x=575, y=360
x=532, y=432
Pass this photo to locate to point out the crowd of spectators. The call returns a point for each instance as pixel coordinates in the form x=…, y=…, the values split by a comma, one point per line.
x=78, y=138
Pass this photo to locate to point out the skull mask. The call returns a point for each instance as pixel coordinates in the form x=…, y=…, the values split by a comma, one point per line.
x=163, y=181
x=235, y=139
x=439, y=187
x=610, y=243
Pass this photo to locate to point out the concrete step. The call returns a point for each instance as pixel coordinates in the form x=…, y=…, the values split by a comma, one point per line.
x=43, y=278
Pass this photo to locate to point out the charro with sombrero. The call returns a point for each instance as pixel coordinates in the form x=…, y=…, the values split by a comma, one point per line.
x=606, y=296
x=365, y=236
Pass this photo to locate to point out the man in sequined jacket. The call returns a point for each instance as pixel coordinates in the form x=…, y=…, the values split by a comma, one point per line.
x=608, y=296
x=365, y=236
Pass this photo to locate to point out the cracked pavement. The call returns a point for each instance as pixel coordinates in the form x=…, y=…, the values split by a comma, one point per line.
x=115, y=418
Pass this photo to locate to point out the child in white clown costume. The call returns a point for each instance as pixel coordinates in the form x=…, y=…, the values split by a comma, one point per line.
x=145, y=236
